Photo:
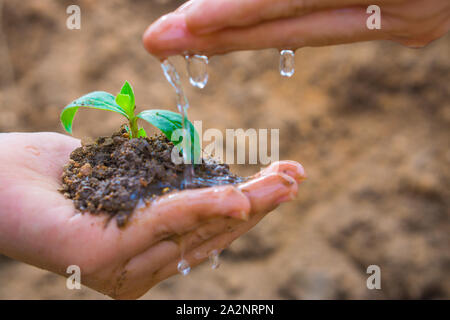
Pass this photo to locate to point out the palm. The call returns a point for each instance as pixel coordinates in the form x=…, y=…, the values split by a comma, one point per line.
x=39, y=226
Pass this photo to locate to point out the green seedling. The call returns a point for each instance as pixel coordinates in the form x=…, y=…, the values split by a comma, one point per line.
x=124, y=103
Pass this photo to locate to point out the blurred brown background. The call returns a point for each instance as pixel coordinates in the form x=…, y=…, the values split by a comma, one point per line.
x=370, y=123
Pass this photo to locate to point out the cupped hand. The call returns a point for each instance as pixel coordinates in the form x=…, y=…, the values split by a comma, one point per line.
x=220, y=26
x=41, y=227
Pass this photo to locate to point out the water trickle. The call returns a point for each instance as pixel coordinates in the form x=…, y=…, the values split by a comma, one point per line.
x=287, y=63
x=172, y=76
x=183, y=267
x=197, y=68
x=214, y=259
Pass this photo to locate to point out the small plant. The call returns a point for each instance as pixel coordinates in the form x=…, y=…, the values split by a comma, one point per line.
x=124, y=103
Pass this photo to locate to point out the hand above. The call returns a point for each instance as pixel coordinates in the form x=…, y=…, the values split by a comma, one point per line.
x=41, y=227
x=220, y=26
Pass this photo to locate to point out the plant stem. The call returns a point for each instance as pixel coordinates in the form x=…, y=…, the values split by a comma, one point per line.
x=134, y=127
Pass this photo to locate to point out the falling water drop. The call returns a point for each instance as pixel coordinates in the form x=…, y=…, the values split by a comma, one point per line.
x=197, y=68
x=172, y=76
x=183, y=267
x=287, y=63
x=214, y=259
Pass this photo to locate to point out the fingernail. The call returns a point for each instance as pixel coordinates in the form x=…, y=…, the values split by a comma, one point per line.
x=299, y=174
x=287, y=179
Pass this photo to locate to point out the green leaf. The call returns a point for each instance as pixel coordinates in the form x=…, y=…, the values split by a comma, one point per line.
x=142, y=133
x=124, y=100
x=96, y=100
x=168, y=122
x=127, y=89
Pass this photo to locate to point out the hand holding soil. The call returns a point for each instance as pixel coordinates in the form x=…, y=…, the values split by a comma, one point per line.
x=221, y=26
x=38, y=225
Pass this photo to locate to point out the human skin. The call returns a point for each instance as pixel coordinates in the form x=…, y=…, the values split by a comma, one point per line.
x=212, y=27
x=39, y=226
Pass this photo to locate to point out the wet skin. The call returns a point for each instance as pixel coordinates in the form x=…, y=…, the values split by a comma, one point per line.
x=41, y=227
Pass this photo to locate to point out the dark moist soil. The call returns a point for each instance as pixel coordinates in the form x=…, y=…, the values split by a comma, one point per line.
x=114, y=174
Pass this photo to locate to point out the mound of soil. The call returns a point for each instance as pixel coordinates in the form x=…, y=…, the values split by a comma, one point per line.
x=114, y=174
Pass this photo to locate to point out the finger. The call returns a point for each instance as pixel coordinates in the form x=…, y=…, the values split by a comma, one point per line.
x=268, y=191
x=178, y=213
x=167, y=250
x=289, y=167
x=223, y=240
x=201, y=253
x=274, y=184
x=177, y=246
x=204, y=16
x=138, y=275
x=171, y=36
x=142, y=273
x=258, y=191
x=264, y=193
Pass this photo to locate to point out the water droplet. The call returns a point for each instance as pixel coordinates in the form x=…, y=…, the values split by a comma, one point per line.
x=197, y=68
x=171, y=74
x=287, y=63
x=183, y=267
x=214, y=259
